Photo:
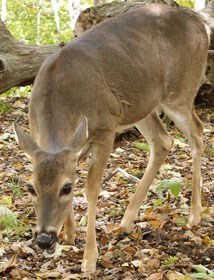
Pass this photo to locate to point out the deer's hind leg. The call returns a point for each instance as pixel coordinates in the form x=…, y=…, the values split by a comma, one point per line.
x=189, y=124
x=160, y=143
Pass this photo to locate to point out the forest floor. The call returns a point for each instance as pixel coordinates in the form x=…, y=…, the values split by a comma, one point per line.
x=160, y=247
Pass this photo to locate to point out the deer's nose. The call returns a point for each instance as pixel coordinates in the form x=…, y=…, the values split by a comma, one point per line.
x=46, y=240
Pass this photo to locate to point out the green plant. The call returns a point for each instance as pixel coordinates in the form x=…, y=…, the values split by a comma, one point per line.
x=116, y=212
x=173, y=185
x=201, y=273
x=18, y=91
x=142, y=146
x=22, y=22
x=4, y=107
x=23, y=91
x=210, y=150
x=10, y=224
x=15, y=187
x=170, y=186
x=170, y=261
x=188, y=3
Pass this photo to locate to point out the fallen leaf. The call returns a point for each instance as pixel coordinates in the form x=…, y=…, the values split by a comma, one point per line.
x=106, y=262
x=83, y=221
x=72, y=277
x=207, y=241
x=193, y=237
x=105, y=194
x=136, y=263
x=48, y=274
x=5, y=136
x=57, y=252
x=153, y=264
x=130, y=250
x=9, y=263
x=6, y=200
x=17, y=273
x=174, y=275
x=156, y=276
x=2, y=251
x=28, y=250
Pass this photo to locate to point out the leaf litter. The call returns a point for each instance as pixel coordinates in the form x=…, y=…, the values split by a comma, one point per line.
x=160, y=247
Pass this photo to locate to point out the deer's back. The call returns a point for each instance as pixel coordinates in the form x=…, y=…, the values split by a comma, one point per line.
x=117, y=72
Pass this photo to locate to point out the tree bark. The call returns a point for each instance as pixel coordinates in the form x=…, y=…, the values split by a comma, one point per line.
x=55, y=6
x=4, y=10
x=20, y=63
x=74, y=11
x=208, y=14
x=94, y=15
x=205, y=96
x=97, y=14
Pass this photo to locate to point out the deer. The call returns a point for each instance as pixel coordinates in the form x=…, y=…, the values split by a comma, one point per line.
x=115, y=76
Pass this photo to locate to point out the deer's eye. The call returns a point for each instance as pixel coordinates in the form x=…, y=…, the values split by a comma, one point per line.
x=30, y=189
x=66, y=189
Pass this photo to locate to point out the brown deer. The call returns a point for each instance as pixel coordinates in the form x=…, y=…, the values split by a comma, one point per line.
x=115, y=76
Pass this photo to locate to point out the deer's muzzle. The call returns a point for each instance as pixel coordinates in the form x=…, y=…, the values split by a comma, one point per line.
x=46, y=240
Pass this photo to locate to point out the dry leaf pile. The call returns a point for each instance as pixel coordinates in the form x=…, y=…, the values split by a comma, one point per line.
x=160, y=247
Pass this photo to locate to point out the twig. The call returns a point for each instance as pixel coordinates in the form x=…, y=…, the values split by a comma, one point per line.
x=124, y=173
x=129, y=176
x=110, y=175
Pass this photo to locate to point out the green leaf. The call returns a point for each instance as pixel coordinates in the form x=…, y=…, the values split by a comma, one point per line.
x=202, y=272
x=202, y=275
x=210, y=150
x=158, y=201
x=161, y=188
x=142, y=146
x=180, y=221
x=83, y=221
x=175, y=188
x=5, y=107
x=201, y=268
x=170, y=261
x=211, y=275
x=173, y=185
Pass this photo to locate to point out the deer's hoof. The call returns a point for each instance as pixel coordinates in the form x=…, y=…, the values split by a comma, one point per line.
x=88, y=266
x=69, y=239
x=195, y=216
x=127, y=227
x=89, y=260
x=194, y=220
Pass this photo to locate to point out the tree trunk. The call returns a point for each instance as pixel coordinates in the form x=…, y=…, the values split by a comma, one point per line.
x=205, y=96
x=97, y=14
x=74, y=11
x=38, y=21
x=4, y=10
x=55, y=6
x=19, y=63
x=208, y=15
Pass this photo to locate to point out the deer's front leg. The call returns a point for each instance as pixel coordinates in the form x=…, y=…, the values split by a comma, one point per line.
x=69, y=228
x=100, y=154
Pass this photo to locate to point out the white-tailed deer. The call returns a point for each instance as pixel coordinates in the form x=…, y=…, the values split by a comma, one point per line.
x=114, y=76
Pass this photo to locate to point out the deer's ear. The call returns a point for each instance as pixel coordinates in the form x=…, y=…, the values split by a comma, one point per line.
x=25, y=141
x=80, y=135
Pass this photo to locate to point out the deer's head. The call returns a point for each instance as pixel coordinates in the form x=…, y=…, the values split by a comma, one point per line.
x=53, y=179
